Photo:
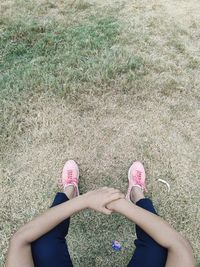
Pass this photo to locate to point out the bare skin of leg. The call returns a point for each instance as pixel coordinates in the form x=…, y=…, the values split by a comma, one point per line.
x=136, y=194
x=69, y=191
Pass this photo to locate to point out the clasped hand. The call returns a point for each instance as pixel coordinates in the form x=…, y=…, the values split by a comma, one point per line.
x=100, y=198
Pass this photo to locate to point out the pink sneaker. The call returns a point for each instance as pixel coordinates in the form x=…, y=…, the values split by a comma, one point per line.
x=136, y=177
x=70, y=176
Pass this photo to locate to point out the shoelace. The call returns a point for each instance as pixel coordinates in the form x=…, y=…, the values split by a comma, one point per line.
x=70, y=179
x=69, y=174
x=138, y=180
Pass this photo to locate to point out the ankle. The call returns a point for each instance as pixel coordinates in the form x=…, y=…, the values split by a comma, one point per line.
x=136, y=194
x=70, y=191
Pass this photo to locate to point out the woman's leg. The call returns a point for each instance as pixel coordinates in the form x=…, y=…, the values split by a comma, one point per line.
x=51, y=250
x=148, y=253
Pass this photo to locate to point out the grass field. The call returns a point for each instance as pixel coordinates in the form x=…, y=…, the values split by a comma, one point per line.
x=104, y=83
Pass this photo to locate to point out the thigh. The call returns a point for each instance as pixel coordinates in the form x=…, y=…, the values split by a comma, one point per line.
x=148, y=255
x=51, y=252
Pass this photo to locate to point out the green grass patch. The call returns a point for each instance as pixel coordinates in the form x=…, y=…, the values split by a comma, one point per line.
x=64, y=59
x=61, y=58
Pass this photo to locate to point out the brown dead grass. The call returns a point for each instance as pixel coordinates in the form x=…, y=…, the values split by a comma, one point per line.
x=105, y=135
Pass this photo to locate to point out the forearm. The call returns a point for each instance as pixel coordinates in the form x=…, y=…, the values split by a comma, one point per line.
x=179, y=249
x=52, y=217
x=152, y=224
x=19, y=253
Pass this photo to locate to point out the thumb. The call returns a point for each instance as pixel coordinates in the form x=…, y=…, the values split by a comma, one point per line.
x=106, y=211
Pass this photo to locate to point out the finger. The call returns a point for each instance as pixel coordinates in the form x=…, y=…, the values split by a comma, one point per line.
x=104, y=188
x=106, y=211
x=115, y=197
x=118, y=193
x=108, y=189
x=107, y=207
x=114, y=191
x=101, y=189
x=111, y=190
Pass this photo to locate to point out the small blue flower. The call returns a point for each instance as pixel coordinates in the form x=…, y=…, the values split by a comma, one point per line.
x=116, y=245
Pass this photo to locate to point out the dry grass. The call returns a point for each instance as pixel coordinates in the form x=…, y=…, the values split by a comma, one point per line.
x=148, y=111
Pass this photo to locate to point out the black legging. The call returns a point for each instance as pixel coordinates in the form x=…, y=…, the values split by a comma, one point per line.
x=51, y=249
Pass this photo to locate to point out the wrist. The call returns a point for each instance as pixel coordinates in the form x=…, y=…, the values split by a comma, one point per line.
x=85, y=200
x=78, y=203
